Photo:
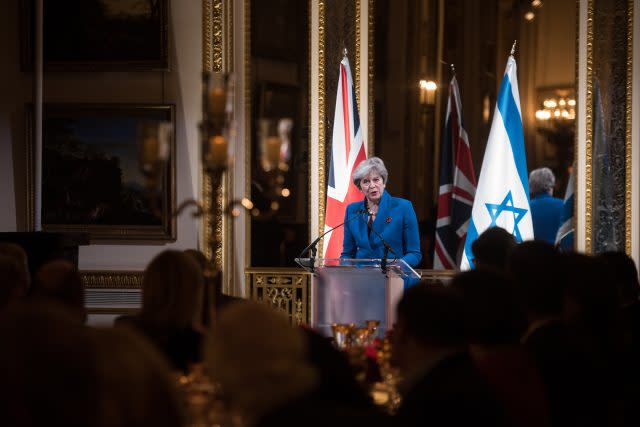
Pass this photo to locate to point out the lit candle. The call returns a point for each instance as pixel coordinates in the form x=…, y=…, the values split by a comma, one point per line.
x=217, y=155
x=423, y=92
x=431, y=87
x=216, y=100
x=272, y=151
x=149, y=154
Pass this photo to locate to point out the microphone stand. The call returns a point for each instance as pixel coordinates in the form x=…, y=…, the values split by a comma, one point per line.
x=387, y=248
x=313, y=246
x=383, y=261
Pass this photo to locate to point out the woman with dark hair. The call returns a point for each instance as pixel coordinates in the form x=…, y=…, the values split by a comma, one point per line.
x=172, y=288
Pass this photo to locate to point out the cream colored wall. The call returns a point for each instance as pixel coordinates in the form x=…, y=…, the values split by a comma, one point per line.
x=180, y=86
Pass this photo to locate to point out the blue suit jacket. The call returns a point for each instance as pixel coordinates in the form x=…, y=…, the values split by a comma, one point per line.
x=546, y=212
x=395, y=221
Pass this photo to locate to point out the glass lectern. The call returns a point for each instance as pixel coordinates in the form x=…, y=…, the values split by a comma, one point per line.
x=355, y=290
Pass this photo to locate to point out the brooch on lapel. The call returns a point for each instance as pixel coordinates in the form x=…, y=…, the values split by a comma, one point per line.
x=388, y=219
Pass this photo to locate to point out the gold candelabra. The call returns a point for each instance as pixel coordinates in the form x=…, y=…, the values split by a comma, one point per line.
x=217, y=134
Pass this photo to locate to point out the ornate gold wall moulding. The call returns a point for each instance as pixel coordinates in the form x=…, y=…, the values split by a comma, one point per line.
x=321, y=123
x=629, y=121
x=588, y=197
x=286, y=290
x=214, y=42
x=101, y=279
x=112, y=310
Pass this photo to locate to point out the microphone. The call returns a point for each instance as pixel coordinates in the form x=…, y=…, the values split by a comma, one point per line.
x=313, y=246
x=387, y=249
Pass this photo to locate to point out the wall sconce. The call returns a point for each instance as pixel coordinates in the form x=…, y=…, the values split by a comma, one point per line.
x=427, y=92
x=216, y=127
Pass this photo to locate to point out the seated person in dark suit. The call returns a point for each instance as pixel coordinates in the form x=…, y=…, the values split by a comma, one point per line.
x=492, y=247
x=172, y=288
x=537, y=270
x=495, y=324
x=441, y=385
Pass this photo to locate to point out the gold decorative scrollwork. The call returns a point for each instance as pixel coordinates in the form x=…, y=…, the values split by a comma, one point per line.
x=629, y=119
x=287, y=291
x=588, y=197
x=357, y=52
x=321, y=121
x=216, y=35
x=92, y=279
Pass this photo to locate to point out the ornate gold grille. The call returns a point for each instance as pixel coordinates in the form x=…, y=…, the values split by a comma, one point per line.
x=285, y=290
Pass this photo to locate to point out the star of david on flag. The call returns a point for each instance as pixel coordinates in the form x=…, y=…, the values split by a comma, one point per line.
x=502, y=195
x=506, y=205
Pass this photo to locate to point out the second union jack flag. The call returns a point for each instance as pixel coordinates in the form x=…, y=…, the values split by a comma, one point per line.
x=457, y=186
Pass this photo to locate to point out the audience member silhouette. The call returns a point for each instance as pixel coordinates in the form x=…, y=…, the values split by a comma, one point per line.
x=58, y=372
x=337, y=376
x=625, y=277
x=540, y=280
x=136, y=385
x=441, y=384
x=593, y=313
x=172, y=287
x=58, y=281
x=14, y=274
x=279, y=387
x=213, y=297
x=491, y=248
x=495, y=324
x=48, y=373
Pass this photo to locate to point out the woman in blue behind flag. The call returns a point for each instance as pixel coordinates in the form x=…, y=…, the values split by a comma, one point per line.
x=385, y=222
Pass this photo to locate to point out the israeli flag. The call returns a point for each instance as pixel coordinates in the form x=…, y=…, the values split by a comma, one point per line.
x=502, y=196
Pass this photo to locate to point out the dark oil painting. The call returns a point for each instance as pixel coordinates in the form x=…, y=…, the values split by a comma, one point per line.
x=99, y=35
x=91, y=179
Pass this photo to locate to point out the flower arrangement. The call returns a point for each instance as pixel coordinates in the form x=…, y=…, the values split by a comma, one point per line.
x=370, y=357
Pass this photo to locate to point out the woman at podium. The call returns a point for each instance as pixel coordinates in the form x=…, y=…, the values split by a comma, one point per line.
x=380, y=224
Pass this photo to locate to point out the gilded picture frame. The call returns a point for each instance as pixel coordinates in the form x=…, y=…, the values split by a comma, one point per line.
x=91, y=180
x=98, y=35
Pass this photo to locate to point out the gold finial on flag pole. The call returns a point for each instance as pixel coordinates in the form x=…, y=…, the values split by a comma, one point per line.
x=453, y=69
x=513, y=48
x=344, y=51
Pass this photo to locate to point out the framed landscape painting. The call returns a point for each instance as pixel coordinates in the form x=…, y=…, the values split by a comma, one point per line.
x=91, y=178
x=98, y=35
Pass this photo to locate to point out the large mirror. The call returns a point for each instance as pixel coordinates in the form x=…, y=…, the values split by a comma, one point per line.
x=420, y=40
x=413, y=44
x=279, y=85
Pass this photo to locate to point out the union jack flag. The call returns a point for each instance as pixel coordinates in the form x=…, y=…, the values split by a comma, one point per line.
x=457, y=185
x=347, y=150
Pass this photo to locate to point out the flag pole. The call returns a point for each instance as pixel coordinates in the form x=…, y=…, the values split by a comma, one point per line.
x=344, y=52
x=513, y=48
x=453, y=70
